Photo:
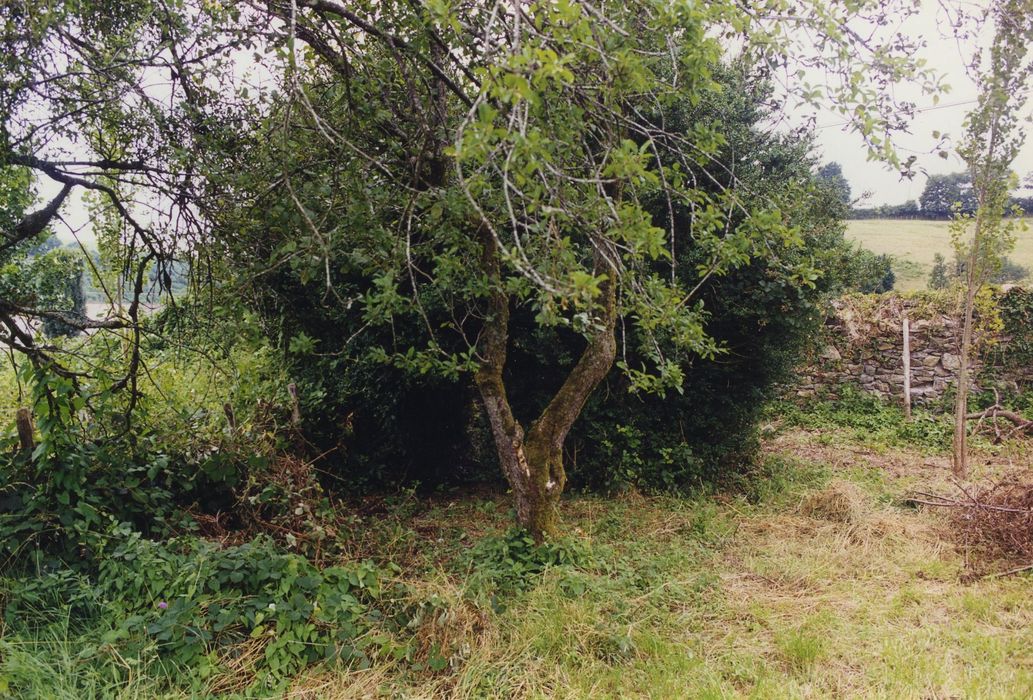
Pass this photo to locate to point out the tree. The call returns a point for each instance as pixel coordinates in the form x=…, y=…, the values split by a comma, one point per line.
x=100, y=98
x=992, y=141
x=428, y=428
x=938, y=275
x=832, y=175
x=484, y=158
x=943, y=194
x=485, y=164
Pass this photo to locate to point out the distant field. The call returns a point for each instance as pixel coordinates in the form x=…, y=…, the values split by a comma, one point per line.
x=914, y=243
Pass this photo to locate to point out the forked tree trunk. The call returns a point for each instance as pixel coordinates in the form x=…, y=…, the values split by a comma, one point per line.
x=532, y=460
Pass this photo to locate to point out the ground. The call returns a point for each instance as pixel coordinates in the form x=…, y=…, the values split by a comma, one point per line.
x=813, y=578
x=820, y=582
x=913, y=243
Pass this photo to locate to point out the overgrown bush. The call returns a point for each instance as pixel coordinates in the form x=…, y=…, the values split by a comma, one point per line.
x=103, y=457
x=872, y=273
x=191, y=603
x=383, y=424
x=513, y=562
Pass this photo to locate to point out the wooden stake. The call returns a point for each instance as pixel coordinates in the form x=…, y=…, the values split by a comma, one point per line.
x=907, y=368
x=25, y=430
x=231, y=418
x=292, y=389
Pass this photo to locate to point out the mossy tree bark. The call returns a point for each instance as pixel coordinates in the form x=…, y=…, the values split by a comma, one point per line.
x=532, y=460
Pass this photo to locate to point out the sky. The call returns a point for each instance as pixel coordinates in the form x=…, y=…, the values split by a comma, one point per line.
x=943, y=53
x=835, y=143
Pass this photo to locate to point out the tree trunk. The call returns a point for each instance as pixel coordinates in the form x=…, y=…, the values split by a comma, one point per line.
x=532, y=461
x=960, y=456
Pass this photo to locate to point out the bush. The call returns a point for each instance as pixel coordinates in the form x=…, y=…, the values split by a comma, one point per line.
x=82, y=477
x=938, y=275
x=1010, y=271
x=513, y=562
x=871, y=273
x=383, y=425
x=193, y=604
x=97, y=464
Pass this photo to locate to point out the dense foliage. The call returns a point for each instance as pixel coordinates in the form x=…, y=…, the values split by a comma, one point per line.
x=388, y=425
x=392, y=242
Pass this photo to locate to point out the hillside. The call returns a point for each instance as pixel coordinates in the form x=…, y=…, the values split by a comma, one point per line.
x=913, y=244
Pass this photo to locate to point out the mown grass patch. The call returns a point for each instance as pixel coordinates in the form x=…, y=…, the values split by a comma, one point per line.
x=808, y=578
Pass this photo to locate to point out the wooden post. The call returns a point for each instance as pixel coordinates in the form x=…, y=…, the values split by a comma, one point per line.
x=907, y=367
x=231, y=418
x=25, y=430
x=292, y=389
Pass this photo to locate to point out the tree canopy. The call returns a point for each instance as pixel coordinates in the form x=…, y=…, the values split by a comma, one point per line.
x=446, y=164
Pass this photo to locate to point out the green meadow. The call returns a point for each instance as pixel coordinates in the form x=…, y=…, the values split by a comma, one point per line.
x=913, y=244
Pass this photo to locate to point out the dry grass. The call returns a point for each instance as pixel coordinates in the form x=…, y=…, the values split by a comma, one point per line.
x=831, y=588
x=820, y=581
x=839, y=502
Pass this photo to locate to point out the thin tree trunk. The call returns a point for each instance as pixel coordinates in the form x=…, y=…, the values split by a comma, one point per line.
x=532, y=461
x=960, y=457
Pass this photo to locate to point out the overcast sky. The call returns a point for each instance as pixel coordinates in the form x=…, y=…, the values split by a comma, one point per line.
x=943, y=53
x=885, y=185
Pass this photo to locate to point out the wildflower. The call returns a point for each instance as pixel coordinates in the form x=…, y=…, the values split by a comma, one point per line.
x=162, y=604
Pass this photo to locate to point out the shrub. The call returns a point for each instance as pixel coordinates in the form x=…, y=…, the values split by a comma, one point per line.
x=513, y=562
x=191, y=603
x=385, y=425
x=938, y=276
x=871, y=273
x=97, y=463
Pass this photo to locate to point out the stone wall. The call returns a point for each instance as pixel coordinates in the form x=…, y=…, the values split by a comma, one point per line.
x=863, y=347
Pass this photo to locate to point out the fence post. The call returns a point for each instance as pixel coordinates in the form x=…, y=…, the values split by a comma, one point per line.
x=292, y=389
x=25, y=430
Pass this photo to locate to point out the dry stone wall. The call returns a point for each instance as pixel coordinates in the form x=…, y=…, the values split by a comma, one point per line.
x=864, y=347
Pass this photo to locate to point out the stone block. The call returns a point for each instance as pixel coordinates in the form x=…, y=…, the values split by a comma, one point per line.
x=831, y=353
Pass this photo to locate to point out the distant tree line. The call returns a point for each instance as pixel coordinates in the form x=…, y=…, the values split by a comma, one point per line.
x=938, y=201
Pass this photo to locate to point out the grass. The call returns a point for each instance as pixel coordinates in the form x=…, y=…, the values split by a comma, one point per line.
x=10, y=393
x=913, y=244
x=863, y=418
x=810, y=578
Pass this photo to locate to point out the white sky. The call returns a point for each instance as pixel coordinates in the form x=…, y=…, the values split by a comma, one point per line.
x=835, y=143
x=943, y=53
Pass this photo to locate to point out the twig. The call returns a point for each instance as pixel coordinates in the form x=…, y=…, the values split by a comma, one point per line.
x=1010, y=572
x=944, y=502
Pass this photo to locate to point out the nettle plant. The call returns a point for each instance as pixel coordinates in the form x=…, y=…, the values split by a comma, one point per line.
x=438, y=167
